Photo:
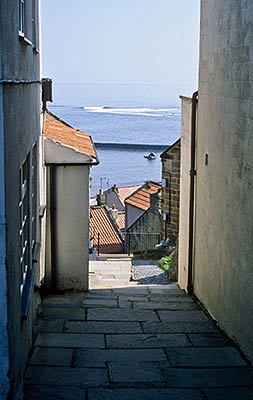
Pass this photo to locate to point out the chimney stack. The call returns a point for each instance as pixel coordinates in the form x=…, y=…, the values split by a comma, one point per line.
x=100, y=198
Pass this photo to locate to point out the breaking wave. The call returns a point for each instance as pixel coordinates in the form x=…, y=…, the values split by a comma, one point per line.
x=144, y=111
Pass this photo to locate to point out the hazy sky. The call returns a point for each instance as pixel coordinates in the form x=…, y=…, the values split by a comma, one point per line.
x=152, y=42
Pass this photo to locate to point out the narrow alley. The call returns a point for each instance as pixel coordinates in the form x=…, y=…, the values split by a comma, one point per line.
x=131, y=341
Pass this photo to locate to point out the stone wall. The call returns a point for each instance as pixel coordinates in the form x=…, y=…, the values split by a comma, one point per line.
x=171, y=191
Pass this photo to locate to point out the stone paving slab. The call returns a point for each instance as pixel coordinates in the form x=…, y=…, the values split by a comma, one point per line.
x=102, y=314
x=184, y=316
x=63, y=301
x=100, y=302
x=98, y=358
x=65, y=313
x=102, y=327
x=38, y=392
x=243, y=393
x=154, y=305
x=48, y=325
x=138, y=341
x=52, y=356
x=209, y=340
x=63, y=376
x=205, y=357
x=168, y=299
x=70, y=340
x=180, y=327
x=134, y=290
x=144, y=394
x=148, y=372
x=208, y=377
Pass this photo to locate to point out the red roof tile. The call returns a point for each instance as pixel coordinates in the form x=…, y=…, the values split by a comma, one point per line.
x=124, y=192
x=109, y=240
x=141, y=197
x=62, y=133
x=121, y=222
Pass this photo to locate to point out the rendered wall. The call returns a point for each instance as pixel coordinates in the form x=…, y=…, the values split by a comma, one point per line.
x=223, y=277
x=185, y=161
x=21, y=104
x=72, y=227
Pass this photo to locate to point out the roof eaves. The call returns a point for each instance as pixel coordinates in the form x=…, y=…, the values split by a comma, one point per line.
x=170, y=148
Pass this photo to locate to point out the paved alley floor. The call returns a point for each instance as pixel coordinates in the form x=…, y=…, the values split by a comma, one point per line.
x=133, y=342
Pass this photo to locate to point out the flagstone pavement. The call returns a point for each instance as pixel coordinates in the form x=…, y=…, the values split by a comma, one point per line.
x=130, y=341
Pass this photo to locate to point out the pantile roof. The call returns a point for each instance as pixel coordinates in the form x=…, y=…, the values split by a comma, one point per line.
x=125, y=191
x=60, y=132
x=109, y=240
x=141, y=197
x=122, y=220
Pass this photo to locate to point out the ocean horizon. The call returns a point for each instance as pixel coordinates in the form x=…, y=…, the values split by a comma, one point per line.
x=123, y=125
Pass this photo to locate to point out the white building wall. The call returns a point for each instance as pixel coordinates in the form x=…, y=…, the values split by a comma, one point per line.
x=72, y=227
x=223, y=276
x=185, y=166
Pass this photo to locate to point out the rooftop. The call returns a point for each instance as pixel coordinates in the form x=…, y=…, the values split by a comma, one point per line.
x=109, y=239
x=61, y=133
x=141, y=197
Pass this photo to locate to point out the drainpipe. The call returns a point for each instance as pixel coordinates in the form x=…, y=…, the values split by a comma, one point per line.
x=4, y=348
x=191, y=200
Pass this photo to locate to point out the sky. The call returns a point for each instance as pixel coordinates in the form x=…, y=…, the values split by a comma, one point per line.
x=133, y=48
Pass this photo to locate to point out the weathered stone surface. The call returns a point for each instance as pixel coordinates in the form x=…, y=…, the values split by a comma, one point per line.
x=97, y=358
x=205, y=357
x=70, y=340
x=144, y=394
x=62, y=376
x=105, y=302
x=63, y=301
x=102, y=327
x=48, y=325
x=100, y=314
x=180, y=327
x=65, y=313
x=52, y=356
x=207, y=377
x=172, y=290
x=167, y=299
x=183, y=316
x=146, y=341
x=209, y=339
x=243, y=393
x=38, y=392
x=135, y=290
x=154, y=305
x=149, y=372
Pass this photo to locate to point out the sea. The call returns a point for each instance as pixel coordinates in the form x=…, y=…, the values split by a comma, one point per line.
x=123, y=135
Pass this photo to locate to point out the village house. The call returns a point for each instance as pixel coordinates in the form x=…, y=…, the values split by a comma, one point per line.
x=216, y=208
x=143, y=217
x=170, y=191
x=68, y=156
x=116, y=195
x=20, y=128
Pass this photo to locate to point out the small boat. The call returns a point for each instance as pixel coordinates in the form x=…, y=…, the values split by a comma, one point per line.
x=150, y=156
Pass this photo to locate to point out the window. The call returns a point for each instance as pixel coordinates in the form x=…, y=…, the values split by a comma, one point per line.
x=28, y=22
x=28, y=224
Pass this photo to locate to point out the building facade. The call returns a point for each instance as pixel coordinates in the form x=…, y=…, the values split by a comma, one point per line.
x=19, y=192
x=171, y=191
x=223, y=209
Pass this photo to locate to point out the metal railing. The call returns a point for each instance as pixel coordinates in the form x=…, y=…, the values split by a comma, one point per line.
x=129, y=243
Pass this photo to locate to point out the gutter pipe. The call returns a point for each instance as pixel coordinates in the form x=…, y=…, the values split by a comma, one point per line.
x=191, y=200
